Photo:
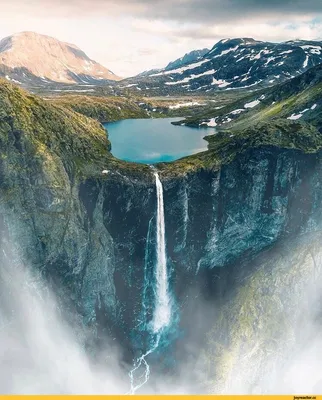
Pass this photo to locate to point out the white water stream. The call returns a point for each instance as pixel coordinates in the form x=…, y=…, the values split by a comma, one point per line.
x=162, y=311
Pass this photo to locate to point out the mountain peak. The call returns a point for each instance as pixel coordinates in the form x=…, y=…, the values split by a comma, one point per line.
x=239, y=63
x=50, y=59
x=192, y=56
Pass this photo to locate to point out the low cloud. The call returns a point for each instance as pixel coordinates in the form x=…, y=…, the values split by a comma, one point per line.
x=187, y=10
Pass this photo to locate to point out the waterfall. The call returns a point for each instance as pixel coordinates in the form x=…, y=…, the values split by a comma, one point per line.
x=162, y=311
x=162, y=307
x=186, y=215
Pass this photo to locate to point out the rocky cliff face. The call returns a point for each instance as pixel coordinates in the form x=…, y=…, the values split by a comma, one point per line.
x=213, y=220
x=87, y=221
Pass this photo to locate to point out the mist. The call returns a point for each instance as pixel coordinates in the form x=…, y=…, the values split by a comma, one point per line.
x=268, y=336
x=41, y=353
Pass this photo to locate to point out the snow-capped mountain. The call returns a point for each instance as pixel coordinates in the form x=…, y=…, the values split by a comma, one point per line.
x=297, y=99
x=235, y=64
x=188, y=58
x=29, y=56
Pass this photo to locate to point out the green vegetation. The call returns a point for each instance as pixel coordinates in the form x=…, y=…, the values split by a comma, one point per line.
x=56, y=125
x=258, y=323
x=103, y=109
x=55, y=137
x=115, y=108
x=266, y=124
x=281, y=101
x=51, y=129
x=225, y=145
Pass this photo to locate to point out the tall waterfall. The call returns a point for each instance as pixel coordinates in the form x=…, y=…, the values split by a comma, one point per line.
x=162, y=306
x=162, y=311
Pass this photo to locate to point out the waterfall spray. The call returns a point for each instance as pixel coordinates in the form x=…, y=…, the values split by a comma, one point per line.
x=162, y=311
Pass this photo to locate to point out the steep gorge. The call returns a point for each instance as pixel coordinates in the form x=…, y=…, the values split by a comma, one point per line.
x=93, y=235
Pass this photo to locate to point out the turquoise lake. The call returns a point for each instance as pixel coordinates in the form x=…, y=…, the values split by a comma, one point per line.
x=151, y=141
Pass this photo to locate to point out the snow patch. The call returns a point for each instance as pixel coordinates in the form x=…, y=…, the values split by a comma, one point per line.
x=224, y=52
x=227, y=120
x=257, y=57
x=252, y=104
x=287, y=52
x=225, y=84
x=295, y=116
x=182, y=69
x=189, y=104
x=300, y=114
x=312, y=49
x=220, y=82
x=192, y=77
x=212, y=123
x=238, y=111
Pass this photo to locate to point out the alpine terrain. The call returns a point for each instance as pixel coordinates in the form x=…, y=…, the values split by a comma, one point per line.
x=29, y=57
x=190, y=268
x=242, y=63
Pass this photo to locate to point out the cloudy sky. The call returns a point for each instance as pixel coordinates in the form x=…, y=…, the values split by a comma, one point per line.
x=130, y=36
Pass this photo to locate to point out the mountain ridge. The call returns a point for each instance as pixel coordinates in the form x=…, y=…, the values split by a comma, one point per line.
x=49, y=60
x=233, y=64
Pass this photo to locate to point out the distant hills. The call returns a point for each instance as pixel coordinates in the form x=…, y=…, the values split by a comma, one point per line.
x=242, y=63
x=35, y=60
x=31, y=58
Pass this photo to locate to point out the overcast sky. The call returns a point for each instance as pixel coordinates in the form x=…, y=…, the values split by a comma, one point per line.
x=130, y=36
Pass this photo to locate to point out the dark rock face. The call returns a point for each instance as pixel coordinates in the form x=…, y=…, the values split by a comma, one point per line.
x=212, y=219
x=95, y=240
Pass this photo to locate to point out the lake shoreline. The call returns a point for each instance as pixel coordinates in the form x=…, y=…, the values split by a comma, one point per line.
x=155, y=140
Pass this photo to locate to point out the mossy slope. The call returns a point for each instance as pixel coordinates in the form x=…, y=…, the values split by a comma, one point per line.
x=280, y=101
x=260, y=329
x=103, y=109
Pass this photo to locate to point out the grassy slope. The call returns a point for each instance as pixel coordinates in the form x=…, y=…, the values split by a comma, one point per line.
x=103, y=109
x=265, y=124
x=226, y=145
x=115, y=108
x=280, y=101
x=54, y=126
x=55, y=134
